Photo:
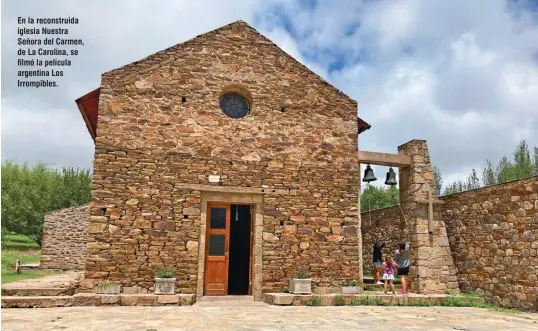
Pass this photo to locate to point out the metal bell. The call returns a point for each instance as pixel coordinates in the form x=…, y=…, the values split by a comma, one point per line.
x=391, y=178
x=368, y=175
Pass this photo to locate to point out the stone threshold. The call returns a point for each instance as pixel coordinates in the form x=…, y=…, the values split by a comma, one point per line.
x=288, y=299
x=91, y=299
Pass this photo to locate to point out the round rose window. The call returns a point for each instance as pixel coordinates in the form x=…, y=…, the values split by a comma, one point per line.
x=234, y=105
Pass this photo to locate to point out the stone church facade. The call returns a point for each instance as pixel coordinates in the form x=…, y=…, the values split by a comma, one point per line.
x=229, y=162
x=223, y=128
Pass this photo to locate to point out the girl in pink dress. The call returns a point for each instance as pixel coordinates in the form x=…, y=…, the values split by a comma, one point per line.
x=389, y=266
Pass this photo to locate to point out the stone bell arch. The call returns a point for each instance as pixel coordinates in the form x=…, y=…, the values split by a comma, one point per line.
x=432, y=267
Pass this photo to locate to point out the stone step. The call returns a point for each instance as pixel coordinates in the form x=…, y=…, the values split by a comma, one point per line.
x=228, y=301
x=91, y=299
x=221, y=298
x=39, y=292
x=235, y=304
x=285, y=299
x=36, y=301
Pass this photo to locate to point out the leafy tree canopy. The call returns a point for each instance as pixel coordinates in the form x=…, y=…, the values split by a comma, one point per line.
x=30, y=192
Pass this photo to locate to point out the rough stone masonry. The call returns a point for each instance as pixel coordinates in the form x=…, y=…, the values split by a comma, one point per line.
x=493, y=238
x=493, y=233
x=160, y=127
x=65, y=236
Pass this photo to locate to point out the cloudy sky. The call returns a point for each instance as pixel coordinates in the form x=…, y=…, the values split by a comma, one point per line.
x=461, y=74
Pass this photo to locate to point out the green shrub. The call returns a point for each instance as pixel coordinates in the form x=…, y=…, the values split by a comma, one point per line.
x=286, y=289
x=314, y=301
x=367, y=301
x=301, y=275
x=339, y=300
x=163, y=272
x=361, y=301
x=353, y=283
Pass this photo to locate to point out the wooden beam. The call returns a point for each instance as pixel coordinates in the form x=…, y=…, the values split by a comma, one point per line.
x=236, y=189
x=384, y=159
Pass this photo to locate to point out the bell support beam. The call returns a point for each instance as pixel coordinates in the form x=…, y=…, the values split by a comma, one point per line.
x=384, y=159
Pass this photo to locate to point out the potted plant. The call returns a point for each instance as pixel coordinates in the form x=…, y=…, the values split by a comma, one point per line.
x=351, y=287
x=301, y=283
x=107, y=288
x=165, y=281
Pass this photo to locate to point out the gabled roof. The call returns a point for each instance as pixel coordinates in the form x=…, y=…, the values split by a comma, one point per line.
x=88, y=104
x=363, y=126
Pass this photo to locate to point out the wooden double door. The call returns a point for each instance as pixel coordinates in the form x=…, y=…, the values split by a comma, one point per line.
x=228, y=257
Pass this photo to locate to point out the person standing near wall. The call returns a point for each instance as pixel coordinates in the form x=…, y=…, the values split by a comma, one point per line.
x=402, y=258
x=377, y=258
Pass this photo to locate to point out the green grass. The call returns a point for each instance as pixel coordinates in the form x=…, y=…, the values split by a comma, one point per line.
x=15, y=246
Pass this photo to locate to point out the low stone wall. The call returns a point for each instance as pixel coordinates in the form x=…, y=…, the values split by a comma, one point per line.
x=493, y=238
x=382, y=225
x=65, y=236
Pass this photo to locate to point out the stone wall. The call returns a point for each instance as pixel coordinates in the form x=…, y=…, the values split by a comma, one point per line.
x=160, y=127
x=493, y=236
x=381, y=225
x=65, y=237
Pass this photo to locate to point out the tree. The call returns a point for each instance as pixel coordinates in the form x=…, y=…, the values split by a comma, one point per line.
x=535, y=161
x=438, y=177
x=472, y=181
x=29, y=192
x=488, y=175
x=378, y=197
x=457, y=186
x=505, y=171
x=523, y=164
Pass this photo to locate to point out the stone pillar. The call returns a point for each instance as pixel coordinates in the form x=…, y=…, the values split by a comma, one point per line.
x=432, y=267
x=359, y=233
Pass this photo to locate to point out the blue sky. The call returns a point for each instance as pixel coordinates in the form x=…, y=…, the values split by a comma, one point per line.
x=461, y=74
